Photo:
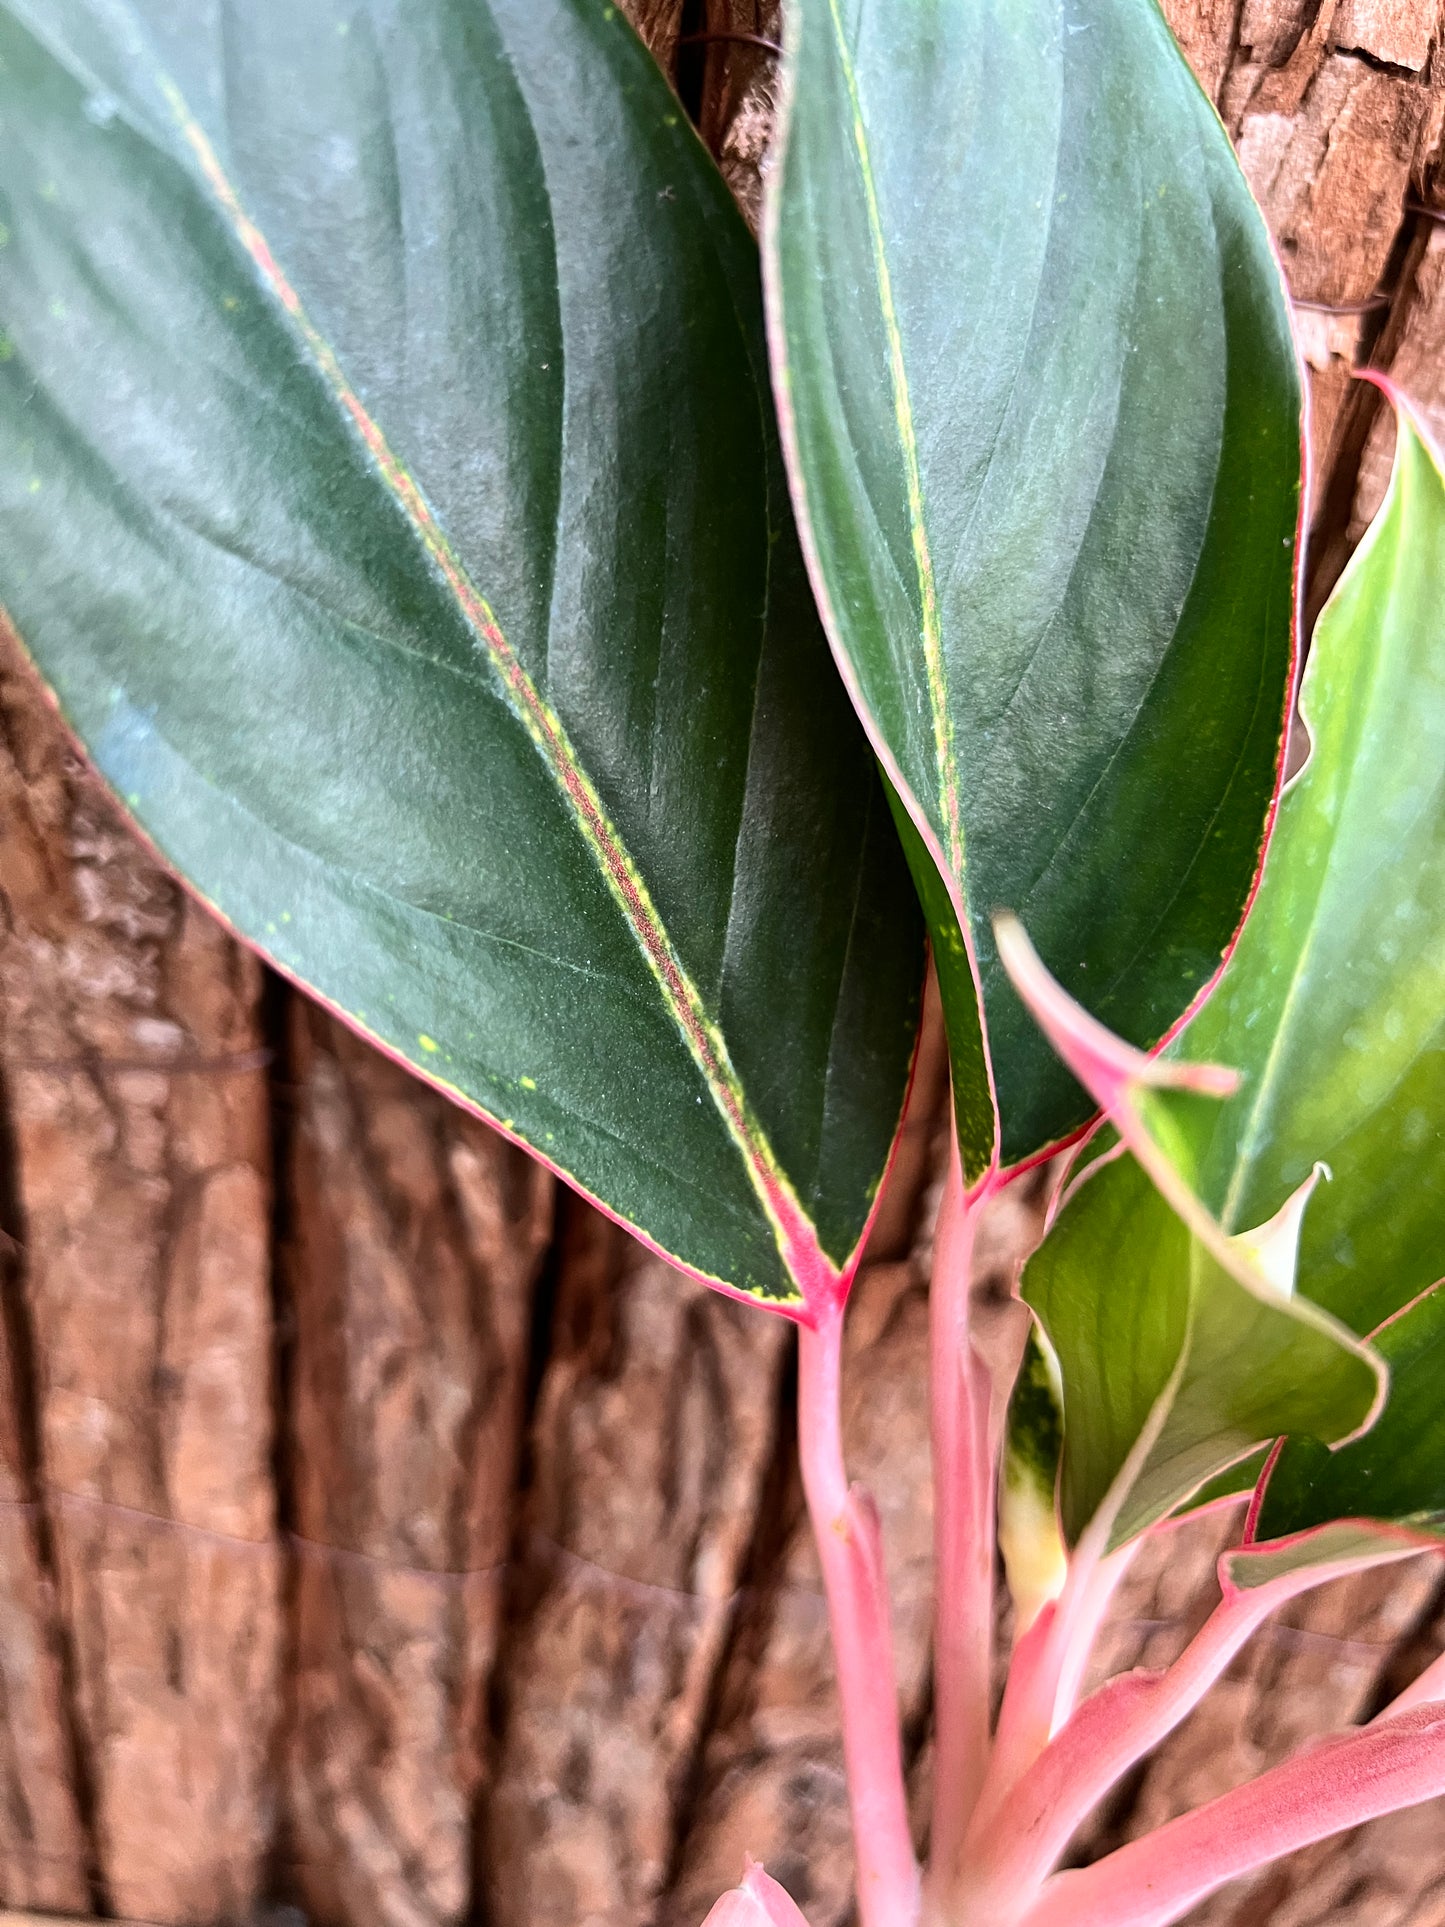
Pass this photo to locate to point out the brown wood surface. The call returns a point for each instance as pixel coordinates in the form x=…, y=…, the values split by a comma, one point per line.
x=139, y=1313
x=381, y=1534
x=415, y=1240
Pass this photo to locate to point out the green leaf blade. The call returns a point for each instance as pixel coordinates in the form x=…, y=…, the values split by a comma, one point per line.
x=1172, y=1370
x=1044, y=438
x=419, y=640
x=1331, y=1006
x=1341, y=968
x=1396, y=1472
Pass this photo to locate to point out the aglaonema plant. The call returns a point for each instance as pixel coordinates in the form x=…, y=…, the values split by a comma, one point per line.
x=1198, y=1250
x=400, y=451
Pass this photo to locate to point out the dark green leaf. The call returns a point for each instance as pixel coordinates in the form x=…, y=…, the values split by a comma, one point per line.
x=1043, y=423
x=1396, y=1472
x=389, y=494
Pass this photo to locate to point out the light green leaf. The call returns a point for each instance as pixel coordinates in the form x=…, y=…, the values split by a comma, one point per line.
x=1173, y=1367
x=1333, y=1006
x=1343, y=1544
x=1336, y=1000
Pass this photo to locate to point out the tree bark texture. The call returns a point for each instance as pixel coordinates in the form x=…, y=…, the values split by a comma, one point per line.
x=381, y=1533
x=140, y=1350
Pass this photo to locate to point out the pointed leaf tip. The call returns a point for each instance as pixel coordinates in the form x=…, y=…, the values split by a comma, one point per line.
x=1104, y=1064
x=1273, y=1247
x=1332, y=1002
x=758, y=1901
x=1182, y=1349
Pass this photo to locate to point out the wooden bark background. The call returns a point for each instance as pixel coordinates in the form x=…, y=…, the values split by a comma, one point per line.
x=382, y=1536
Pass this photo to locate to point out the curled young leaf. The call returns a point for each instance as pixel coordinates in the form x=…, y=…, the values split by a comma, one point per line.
x=389, y=494
x=1336, y=1001
x=1182, y=1350
x=1042, y=417
x=1034, y=1556
x=1175, y=1365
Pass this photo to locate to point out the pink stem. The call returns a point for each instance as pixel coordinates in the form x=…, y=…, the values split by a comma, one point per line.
x=963, y=1528
x=850, y=1551
x=1080, y=1632
x=1026, y=1714
x=1048, y=1668
x=1114, y=1728
x=1397, y=1762
x=1014, y=1844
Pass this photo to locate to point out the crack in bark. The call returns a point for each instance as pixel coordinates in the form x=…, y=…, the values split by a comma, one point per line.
x=23, y=1390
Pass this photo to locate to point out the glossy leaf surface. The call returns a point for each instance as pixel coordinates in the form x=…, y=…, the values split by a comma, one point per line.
x=1181, y=1350
x=1042, y=419
x=1343, y=971
x=1345, y=967
x=389, y=493
x=1396, y=1472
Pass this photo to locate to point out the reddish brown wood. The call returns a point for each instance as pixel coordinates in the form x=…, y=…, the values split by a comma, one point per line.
x=573, y=1682
x=134, y=1070
x=45, y=1854
x=417, y=1234
x=656, y=1431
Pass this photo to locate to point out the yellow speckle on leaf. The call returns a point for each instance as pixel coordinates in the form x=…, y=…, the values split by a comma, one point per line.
x=669, y=120
x=4, y=235
x=230, y=302
x=528, y=1083
x=133, y=800
x=7, y=348
x=285, y=916
x=427, y=1043
x=57, y=310
x=34, y=484
x=49, y=191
